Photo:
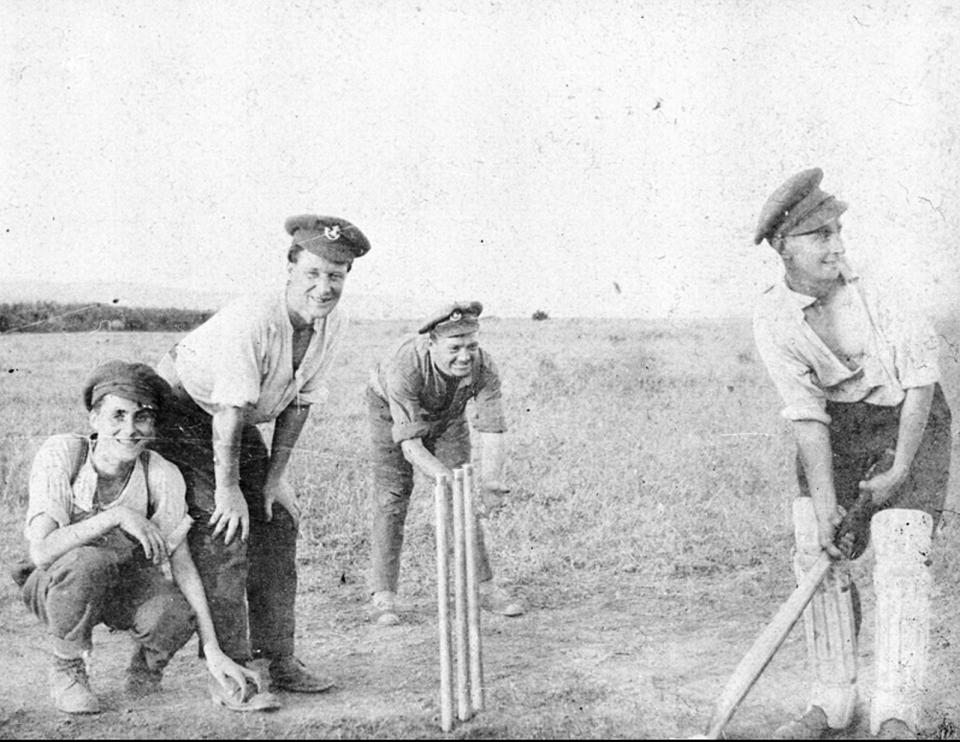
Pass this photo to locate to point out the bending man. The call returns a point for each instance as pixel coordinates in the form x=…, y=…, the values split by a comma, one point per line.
x=416, y=402
x=859, y=381
x=260, y=359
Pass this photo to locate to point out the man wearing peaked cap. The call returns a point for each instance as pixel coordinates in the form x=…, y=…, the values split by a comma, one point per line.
x=328, y=237
x=260, y=359
x=797, y=207
x=134, y=381
x=859, y=379
x=416, y=402
x=458, y=318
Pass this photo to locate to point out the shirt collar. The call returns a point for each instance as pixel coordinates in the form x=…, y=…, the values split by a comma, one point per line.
x=802, y=301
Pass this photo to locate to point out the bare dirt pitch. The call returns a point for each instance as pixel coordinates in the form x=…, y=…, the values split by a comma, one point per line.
x=637, y=661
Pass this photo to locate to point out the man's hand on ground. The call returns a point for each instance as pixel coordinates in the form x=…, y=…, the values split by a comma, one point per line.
x=225, y=670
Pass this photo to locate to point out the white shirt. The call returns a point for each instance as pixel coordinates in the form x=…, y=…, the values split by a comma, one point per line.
x=243, y=357
x=159, y=491
x=901, y=352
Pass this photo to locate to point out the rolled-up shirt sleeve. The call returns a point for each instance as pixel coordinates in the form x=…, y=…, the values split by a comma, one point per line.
x=802, y=398
x=488, y=406
x=50, y=490
x=167, y=493
x=314, y=392
x=236, y=366
x=403, y=396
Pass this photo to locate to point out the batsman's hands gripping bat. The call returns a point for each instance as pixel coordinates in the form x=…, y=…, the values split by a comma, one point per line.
x=853, y=533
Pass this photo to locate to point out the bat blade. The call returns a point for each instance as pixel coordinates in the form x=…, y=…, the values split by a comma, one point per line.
x=765, y=646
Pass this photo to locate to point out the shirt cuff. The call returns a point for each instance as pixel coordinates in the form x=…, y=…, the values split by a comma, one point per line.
x=317, y=396
x=920, y=377
x=409, y=431
x=798, y=413
x=236, y=393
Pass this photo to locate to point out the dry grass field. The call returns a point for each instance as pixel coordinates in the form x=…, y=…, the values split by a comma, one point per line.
x=647, y=530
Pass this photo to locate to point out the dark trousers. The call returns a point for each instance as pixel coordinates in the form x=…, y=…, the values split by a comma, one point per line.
x=393, y=485
x=860, y=435
x=101, y=583
x=251, y=587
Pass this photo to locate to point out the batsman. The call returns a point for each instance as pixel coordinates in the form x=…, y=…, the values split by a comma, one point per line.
x=416, y=405
x=859, y=379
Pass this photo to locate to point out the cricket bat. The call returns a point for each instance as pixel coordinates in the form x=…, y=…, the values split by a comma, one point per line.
x=766, y=645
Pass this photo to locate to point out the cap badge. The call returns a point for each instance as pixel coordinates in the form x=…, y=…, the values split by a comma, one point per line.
x=332, y=233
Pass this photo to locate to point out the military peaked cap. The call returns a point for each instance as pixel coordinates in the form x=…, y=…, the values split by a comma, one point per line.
x=328, y=237
x=458, y=318
x=797, y=207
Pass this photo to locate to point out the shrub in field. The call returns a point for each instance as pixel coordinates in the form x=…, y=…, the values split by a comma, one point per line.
x=539, y=315
x=48, y=316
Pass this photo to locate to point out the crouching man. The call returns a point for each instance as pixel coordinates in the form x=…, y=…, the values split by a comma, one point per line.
x=103, y=515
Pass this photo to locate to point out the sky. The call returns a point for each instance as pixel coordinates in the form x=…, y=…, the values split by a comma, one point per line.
x=580, y=157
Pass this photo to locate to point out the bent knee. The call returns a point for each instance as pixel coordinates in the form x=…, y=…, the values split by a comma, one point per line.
x=84, y=564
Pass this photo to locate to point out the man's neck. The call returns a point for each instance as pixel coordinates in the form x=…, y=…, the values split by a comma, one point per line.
x=108, y=467
x=299, y=323
x=820, y=290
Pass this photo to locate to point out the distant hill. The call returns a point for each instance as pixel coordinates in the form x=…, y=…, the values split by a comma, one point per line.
x=50, y=316
x=119, y=293
x=128, y=294
x=939, y=304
